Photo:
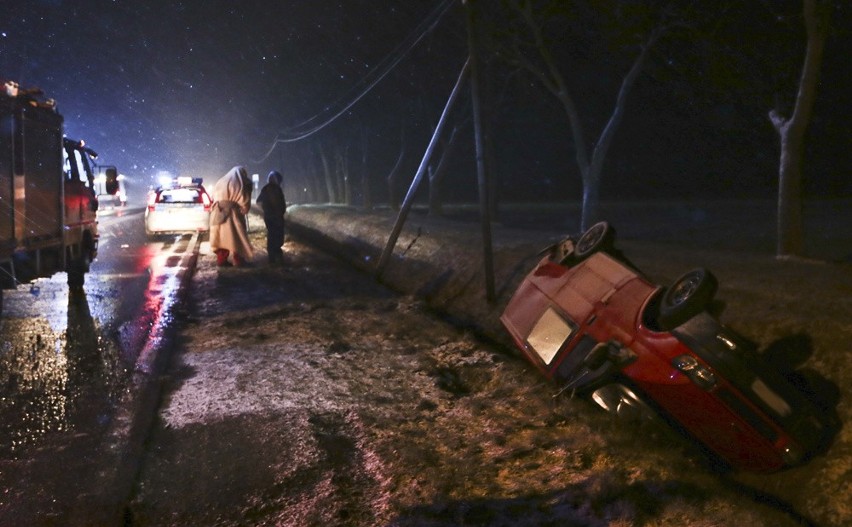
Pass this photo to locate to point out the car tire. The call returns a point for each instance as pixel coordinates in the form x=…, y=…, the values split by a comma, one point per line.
x=598, y=237
x=686, y=297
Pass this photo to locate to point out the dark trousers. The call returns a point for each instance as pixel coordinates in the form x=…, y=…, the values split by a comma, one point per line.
x=274, y=240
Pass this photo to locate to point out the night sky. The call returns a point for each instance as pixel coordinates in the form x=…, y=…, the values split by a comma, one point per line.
x=196, y=87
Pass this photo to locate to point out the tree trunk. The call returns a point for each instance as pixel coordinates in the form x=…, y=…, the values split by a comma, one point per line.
x=328, y=176
x=590, y=162
x=344, y=183
x=436, y=175
x=436, y=207
x=365, y=174
x=792, y=133
x=790, y=240
x=313, y=187
x=393, y=189
x=590, y=211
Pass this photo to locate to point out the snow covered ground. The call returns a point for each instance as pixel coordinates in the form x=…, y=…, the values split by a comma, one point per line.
x=313, y=395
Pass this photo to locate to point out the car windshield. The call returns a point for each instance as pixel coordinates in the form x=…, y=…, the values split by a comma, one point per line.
x=549, y=334
x=180, y=195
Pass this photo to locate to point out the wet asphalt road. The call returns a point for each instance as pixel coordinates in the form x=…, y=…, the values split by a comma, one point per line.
x=70, y=364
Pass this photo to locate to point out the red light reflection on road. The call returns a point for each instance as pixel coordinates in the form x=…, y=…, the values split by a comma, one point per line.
x=167, y=269
x=57, y=366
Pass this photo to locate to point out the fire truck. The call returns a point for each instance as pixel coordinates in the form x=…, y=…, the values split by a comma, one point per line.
x=48, y=206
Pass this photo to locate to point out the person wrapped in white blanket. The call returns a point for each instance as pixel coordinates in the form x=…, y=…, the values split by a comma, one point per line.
x=228, y=225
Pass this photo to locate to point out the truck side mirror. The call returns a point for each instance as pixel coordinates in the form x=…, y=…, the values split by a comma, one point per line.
x=111, y=181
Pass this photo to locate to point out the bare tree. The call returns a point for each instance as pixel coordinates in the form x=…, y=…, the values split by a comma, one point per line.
x=392, y=178
x=791, y=131
x=366, y=191
x=344, y=181
x=537, y=58
x=438, y=171
x=328, y=175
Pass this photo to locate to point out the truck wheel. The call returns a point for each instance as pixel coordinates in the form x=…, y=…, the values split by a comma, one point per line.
x=688, y=295
x=600, y=236
x=77, y=269
x=79, y=266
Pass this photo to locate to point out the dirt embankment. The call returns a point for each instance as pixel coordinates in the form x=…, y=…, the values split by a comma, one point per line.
x=310, y=395
x=797, y=311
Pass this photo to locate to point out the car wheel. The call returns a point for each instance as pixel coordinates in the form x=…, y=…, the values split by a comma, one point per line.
x=600, y=236
x=688, y=295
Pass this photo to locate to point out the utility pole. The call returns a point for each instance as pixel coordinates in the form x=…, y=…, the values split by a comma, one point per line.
x=418, y=177
x=483, y=176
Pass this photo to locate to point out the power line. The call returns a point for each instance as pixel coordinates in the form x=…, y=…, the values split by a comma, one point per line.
x=382, y=69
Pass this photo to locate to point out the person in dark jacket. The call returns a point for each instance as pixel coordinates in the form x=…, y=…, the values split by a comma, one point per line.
x=271, y=200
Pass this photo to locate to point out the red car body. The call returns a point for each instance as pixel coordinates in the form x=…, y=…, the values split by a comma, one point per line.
x=592, y=323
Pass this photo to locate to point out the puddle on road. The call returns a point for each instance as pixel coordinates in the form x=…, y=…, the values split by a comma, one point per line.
x=59, y=371
x=66, y=356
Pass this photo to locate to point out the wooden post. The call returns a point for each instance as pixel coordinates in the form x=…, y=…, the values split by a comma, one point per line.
x=418, y=177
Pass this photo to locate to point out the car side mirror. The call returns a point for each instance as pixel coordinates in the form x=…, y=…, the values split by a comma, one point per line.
x=612, y=351
x=596, y=358
x=111, y=181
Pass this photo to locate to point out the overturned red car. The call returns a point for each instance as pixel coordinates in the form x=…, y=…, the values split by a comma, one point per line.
x=593, y=323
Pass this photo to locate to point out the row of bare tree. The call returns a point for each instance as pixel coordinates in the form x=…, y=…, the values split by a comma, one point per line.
x=528, y=37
